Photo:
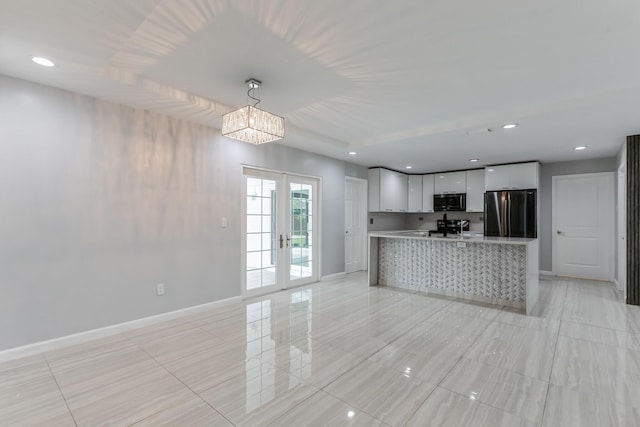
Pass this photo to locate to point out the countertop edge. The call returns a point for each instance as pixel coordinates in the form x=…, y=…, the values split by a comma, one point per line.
x=484, y=239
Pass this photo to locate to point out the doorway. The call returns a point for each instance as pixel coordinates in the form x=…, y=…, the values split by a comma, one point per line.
x=279, y=230
x=355, y=221
x=583, y=225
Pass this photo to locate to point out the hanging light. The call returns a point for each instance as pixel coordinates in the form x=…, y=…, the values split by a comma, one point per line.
x=251, y=124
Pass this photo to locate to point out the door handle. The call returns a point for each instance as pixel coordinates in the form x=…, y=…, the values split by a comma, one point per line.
x=288, y=240
x=281, y=241
x=558, y=232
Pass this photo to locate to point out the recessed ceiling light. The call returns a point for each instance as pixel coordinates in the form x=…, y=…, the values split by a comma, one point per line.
x=43, y=61
x=408, y=167
x=580, y=147
x=352, y=153
x=509, y=125
x=474, y=160
x=490, y=170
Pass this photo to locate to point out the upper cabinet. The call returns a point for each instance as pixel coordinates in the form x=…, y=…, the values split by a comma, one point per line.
x=521, y=176
x=475, y=190
x=427, y=193
x=415, y=193
x=450, y=182
x=388, y=191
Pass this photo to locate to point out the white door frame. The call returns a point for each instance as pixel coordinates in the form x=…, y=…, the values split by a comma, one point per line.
x=621, y=279
x=363, y=209
x=611, y=223
x=317, y=246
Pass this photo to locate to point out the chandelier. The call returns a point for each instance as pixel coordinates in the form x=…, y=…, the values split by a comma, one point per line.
x=251, y=124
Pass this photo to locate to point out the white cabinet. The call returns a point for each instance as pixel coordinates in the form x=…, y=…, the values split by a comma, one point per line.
x=475, y=190
x=387, y=191
x=427, y=193
x=374, y=190
x=524, y=176
x=450, y=182
x=520, y=176
x=415, y=193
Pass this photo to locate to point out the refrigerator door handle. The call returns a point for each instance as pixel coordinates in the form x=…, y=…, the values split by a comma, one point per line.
x=508, y=233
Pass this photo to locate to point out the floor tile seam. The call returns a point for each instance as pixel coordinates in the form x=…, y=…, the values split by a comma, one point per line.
x=553, y=360
x=441, y=380
x=590, y=323
x=60, y=390
x=205, y=348
x=294, y=407
x=492, y=406
x=86, y=362
x=510, y=372
x=585, y=340
x=186, y=387
x=601, y=327
x=356, y=407
x=264, y=362
x=406, y=332
x=542, y=331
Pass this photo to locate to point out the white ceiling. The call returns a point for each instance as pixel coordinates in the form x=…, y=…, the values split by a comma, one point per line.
x=401, y=82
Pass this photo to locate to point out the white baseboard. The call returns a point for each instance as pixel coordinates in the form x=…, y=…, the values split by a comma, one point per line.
x=615, y=282
x=79, y=338
x=546, y=273
x=332, y=276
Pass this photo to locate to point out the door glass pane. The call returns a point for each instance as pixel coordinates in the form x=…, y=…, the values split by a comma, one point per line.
x=261, y=229
x=301, y=196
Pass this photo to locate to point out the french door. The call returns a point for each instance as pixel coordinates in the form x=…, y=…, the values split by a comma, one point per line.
x=280, y=225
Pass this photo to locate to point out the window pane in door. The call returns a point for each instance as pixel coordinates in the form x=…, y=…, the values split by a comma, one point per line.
x=300, y=229
x=254, y=205
x=254, y=242
x=261, y=254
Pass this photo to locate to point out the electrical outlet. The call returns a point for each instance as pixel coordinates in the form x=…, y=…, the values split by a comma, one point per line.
x=461, y=244
x=160, y=289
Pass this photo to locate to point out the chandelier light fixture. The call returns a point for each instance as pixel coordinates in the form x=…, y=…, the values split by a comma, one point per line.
x=251, y=124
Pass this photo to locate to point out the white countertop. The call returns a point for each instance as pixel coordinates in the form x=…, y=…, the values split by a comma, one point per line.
x=424, y=235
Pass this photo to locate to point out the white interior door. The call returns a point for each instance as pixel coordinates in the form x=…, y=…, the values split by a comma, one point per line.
x=583, y=225
x=622, y=229
x=355, y=224
x=279, y=244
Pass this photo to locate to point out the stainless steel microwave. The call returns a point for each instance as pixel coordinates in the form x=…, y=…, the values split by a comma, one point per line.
x=449, y=202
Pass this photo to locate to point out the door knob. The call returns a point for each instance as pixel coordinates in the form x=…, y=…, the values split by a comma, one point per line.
x=559, y=232
x=347, y=231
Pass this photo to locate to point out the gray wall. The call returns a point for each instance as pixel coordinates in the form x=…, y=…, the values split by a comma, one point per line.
x=100, y=202
x=383, y=221
x=547, y=172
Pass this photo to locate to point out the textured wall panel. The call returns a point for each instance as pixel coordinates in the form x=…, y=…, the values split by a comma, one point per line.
x=633, y=220
x=480, y=269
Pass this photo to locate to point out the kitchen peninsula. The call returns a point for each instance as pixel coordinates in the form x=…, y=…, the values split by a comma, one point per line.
x=496, y=270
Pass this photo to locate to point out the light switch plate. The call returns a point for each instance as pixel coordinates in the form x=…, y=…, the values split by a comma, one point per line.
x=160, y=289
x=224, y=222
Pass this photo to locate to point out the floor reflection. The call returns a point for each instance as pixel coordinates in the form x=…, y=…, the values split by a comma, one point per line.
x=277, y=330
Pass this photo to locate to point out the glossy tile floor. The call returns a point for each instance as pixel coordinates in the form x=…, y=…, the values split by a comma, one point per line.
x=340, y=353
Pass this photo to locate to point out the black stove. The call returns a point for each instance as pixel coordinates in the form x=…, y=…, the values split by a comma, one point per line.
x=450, y=226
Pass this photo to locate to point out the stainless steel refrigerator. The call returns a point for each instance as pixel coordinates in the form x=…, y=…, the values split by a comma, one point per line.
x=510, y=213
